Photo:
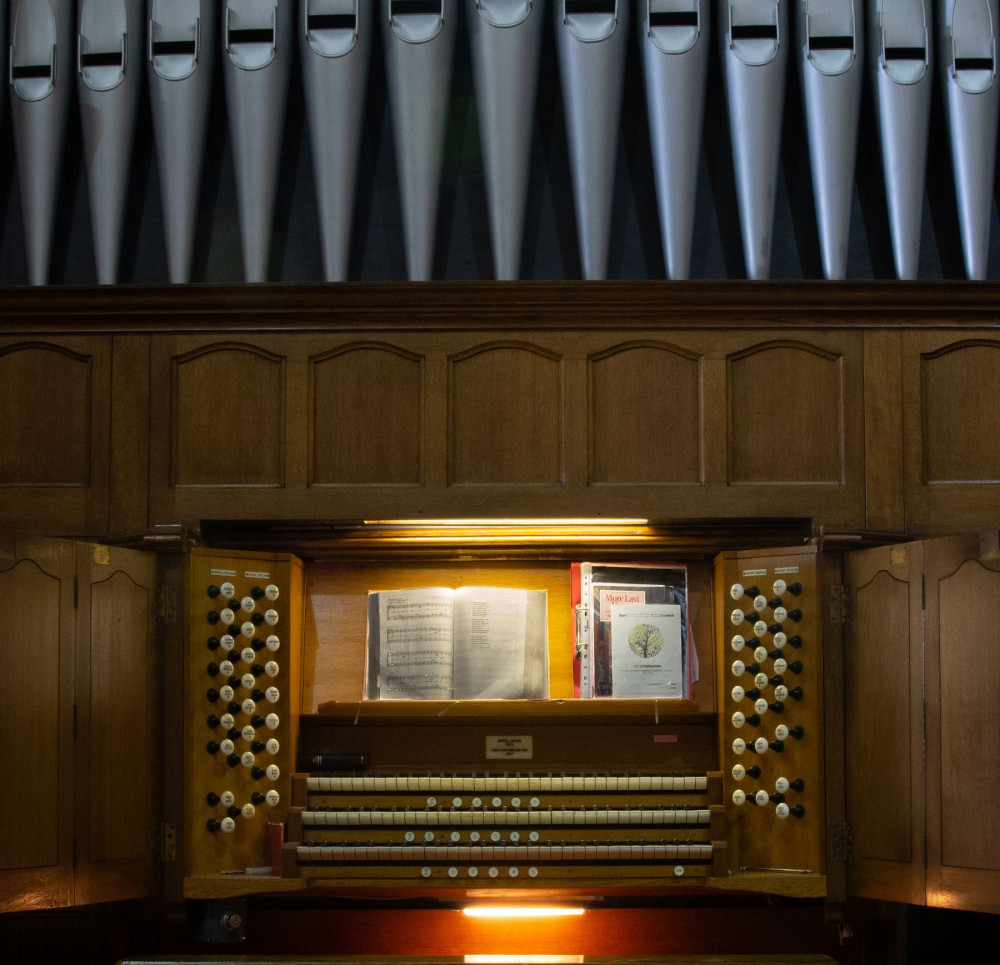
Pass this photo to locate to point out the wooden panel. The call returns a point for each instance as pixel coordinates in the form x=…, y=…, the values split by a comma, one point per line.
x=883, y=700
x=786, y=414
x=506, y=415
x=118, y=724
x=883, y=397
x=645, y=411
x=367, y=416
x=130, y=415
x=36, y=809
x=951, y=422
x=227, y=417
x=47, y=433
x=752, y=710
x=55, y=411
x=213, y=850
x=960, y=412
x=963, y=728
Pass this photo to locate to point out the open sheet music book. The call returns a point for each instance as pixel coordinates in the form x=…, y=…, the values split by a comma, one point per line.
x=434, y=643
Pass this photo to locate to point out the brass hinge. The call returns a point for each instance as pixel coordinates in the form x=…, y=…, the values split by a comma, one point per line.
x=841, y=841
x=839, y=602
x=166, y=833
x=166, y=605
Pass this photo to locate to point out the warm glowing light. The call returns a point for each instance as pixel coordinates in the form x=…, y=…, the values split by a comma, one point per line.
x=520, y=911
x=526, y=959
x=499, y=521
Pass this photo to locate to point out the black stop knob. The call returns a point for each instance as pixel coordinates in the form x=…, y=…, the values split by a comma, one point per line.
x=798, y=810
x=753, y=771
x=797, y=785
x=777, y=746
x=797, y=732
x=233, y=760
x=213, y=643
x=212, y=721
x=257, y=799
x=233, y=811
x=795, y=666
x=777, y=798
x=795, y=693
x=212, y=825
x=211, y=695
x=257, y=592
x=212, y=616
x=258, y=747
x=795, y=615
x=257, y=773
x=212, y=747
x=795, y=641
x=778, y=707
x=211, y=799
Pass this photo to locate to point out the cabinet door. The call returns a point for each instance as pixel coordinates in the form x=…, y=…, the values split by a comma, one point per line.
x=118, y=703
x=883, y=701
x=36, y=807
x=962, y=641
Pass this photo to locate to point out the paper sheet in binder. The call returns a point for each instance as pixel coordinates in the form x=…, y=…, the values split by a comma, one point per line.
x=632, y=633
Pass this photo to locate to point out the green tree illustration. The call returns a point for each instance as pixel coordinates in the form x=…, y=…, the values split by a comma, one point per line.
x=645, y=640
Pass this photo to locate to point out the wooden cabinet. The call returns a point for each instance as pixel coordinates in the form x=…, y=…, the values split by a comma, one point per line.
x=80, y=812
x=922, y=731
x=476, y=423
x=852, y=407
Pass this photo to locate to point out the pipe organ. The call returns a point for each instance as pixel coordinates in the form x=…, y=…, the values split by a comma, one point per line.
x=88, y=54
x=287, y=791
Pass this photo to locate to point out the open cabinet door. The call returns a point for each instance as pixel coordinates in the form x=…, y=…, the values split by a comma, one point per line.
x=884, y=723
x=36, y=808
x=118, y=733
x=962, y=645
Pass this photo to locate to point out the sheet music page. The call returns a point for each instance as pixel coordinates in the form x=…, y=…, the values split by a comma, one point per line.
x=490, y=631
x=415, y=643
x=646, y=650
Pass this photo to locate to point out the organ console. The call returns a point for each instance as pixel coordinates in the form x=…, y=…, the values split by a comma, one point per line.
x=731, y=790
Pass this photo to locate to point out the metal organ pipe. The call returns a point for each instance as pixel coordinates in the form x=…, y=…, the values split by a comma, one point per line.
x=592, y=43
x=830, y=39
x=834, y=41
x=41, y=68
x=335, y=38
x=968, y=59
x=675, y=37
x=506, y=38
x=257, y=43
x=109, y=51
x=901, y=50
x=181, y=58
x=755, y=58
x=419, y=41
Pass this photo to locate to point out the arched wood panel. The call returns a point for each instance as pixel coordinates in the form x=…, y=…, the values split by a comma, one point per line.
x=786, y=414
x=227, y=417
x=36, y=848
x=963, y=730
x=55, y=408
x=366, y=412
x=506, y=420
x=960, y=413
x=645, y=414
x=45, y=409
x=119, y=725
x=883, y=701
x=951, y=430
